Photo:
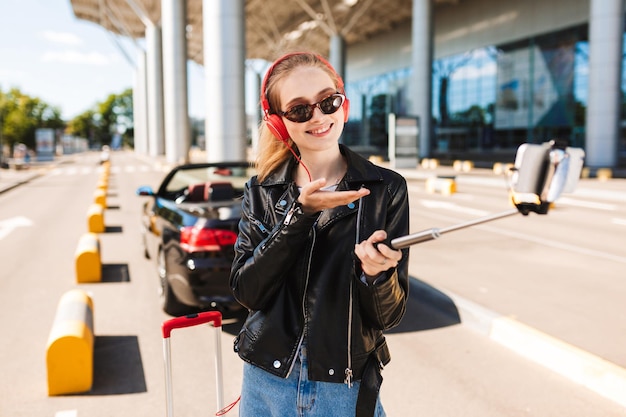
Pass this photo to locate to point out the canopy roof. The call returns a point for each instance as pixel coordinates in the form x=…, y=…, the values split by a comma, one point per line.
x=272, y=26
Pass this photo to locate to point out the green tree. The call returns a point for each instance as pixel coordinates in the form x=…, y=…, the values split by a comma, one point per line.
x=21, y=115
x=115, y=115
x=83, y=125
x=100, y=123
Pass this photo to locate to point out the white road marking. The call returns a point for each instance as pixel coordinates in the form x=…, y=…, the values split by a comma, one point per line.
x=71, y=171
x=558, y=245
x=530, y=238
x=587, y=204
x=434, y=204
x=619, y=196
x=85, y=170
x=66, y=413
x=8, y=225
x=621, y=222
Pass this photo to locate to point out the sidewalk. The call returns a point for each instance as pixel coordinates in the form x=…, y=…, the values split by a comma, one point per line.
x=11, y=178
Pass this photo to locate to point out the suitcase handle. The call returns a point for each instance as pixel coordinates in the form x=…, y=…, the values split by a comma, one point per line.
x=189, y=320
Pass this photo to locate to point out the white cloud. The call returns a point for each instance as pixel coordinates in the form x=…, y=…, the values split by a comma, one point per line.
x=76, y=57
x=65, y=38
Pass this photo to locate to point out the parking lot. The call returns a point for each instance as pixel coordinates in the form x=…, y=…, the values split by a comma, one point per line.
x=560, y=276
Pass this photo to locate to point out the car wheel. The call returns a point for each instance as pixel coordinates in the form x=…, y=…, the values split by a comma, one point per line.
x=169, y=302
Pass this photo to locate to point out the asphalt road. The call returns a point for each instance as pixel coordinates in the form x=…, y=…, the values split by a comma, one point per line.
x=498, y=312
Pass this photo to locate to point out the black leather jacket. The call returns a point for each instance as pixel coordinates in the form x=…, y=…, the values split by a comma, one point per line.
x=298, y=275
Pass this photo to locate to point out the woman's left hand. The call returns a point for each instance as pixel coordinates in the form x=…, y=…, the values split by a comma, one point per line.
x=376, y=259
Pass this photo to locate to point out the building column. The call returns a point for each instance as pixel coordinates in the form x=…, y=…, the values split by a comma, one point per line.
x=605, y=76
x=337, y=55
x=176, y=107
x=254, y=83
x=422, y=63
x=224, y=67
x=140, y=102
x=154, y=84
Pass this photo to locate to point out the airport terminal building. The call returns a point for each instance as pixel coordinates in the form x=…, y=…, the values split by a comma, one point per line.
x=478, y=77
x=503, y=73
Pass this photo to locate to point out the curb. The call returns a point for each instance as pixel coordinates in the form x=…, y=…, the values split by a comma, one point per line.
x=599, y=375
x=37, y=171
x=20, y=182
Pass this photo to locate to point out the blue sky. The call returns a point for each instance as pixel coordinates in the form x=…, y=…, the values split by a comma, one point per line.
x=48, y=53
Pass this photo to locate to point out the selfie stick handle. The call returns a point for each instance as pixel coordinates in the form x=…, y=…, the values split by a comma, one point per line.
x=434, y=233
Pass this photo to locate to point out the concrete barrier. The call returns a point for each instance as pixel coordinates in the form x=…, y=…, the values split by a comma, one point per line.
x=500, y=168
x=429, y=163
x=602, y=174
x=103, y=180
x=100, y=197
x=105, y=171
x=69, y=354
x=443, y=185
x=87, y=259
x=103, y=184
x=376, y=159
x=95, y=219
x=465, y=166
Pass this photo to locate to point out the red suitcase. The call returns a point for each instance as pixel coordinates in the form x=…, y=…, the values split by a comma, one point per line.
x=213, y=317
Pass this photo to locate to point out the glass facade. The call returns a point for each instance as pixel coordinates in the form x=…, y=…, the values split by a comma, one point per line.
x=488, y=101
x=371, y=101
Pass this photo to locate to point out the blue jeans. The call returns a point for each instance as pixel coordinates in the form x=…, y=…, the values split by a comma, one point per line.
x=267, y=395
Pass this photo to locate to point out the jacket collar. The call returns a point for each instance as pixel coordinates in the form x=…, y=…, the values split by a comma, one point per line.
x=360, y=170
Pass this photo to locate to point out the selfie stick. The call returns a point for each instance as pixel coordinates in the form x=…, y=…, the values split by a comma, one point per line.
x=435, y=232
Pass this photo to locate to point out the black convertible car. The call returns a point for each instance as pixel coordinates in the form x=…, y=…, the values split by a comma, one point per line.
x=189, y=227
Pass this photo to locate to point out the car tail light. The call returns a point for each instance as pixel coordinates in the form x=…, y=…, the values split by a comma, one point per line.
x=197, y=239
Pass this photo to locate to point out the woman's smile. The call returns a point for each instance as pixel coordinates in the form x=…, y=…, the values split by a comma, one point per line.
x=320, y=131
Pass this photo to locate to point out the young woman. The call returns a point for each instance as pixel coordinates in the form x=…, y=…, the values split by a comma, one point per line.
x=311, y=264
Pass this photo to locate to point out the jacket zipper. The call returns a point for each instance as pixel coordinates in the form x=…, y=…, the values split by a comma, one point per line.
x=349, y=375
x=260, y=225
x=348, y=379
x=306, y=285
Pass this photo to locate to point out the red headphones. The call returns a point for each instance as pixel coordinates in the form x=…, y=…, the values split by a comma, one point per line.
x=273, y=121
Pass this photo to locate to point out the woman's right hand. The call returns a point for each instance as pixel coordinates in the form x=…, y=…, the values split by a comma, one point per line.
x=313, y=199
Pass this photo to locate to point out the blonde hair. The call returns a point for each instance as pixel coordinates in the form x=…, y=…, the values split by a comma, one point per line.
x=272, y=152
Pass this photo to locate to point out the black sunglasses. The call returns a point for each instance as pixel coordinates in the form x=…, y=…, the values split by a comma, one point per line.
x=304, y=112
